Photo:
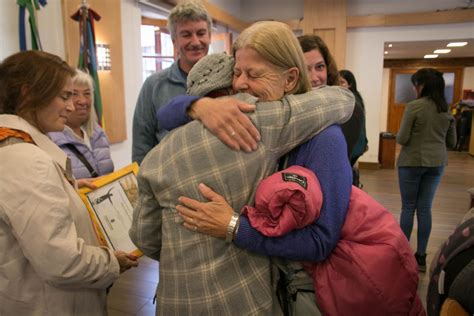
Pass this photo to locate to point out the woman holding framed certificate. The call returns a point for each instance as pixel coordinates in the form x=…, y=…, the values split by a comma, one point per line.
x=51, y=261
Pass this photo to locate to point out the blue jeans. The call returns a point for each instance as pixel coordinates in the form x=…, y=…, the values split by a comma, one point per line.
x=417, y=187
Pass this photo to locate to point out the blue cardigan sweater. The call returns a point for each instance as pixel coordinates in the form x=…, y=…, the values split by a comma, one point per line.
x=326, y=155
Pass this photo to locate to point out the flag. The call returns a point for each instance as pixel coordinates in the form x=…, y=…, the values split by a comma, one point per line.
x=31, y=6
x=88, y=52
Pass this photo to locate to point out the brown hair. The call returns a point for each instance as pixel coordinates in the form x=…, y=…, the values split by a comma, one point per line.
x=276, y=43
x=30, y=80
x=314, y=42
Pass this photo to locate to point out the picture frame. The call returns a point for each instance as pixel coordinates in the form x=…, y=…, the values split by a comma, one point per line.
x=110, y=207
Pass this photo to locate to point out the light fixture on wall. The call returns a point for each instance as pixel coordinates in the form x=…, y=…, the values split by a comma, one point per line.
x=103, y=57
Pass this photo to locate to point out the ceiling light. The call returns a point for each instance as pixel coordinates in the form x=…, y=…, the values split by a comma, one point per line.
x=390, y=45
x=431, y=56
x=442, y=51
x=457, y=44
x=385, y=52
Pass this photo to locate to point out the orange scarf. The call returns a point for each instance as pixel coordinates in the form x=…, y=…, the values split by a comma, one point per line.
x=6, y=133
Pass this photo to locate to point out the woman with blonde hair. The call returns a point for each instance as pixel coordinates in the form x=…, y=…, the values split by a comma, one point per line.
x=83, y=140
x=51, y=262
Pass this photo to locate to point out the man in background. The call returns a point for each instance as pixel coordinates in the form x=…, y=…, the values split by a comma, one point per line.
x=190, y=26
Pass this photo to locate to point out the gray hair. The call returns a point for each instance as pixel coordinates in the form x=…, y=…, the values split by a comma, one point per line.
x=276, y=43
x=84, y=79
x=188, y=11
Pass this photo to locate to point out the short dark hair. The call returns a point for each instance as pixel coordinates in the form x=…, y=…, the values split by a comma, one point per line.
x=30, y=80
x=314, y=42
x=432, y=83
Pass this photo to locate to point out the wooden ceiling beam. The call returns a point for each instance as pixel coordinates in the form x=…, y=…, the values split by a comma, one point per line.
x=154, y=22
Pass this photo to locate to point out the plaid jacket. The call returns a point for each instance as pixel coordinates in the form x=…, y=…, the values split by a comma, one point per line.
x=202, y=275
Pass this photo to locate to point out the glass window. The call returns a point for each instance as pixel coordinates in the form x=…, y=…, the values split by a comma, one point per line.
x=405, y=92
x=157, y=50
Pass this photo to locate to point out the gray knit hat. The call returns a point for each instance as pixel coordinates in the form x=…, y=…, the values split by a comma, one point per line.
x=212, y=72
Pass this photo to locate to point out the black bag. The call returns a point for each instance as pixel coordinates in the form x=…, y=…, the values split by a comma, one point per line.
x=83, y=159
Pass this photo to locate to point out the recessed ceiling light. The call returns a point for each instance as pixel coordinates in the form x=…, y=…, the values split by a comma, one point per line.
x=442, y=51
x=457, y=44
x=431, y=56
x=390, y=45
x=385, y=52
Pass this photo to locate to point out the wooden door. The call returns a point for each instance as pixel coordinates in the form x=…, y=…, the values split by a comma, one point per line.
x=401, y=92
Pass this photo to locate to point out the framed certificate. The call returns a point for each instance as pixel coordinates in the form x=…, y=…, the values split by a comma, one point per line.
x=111, y=205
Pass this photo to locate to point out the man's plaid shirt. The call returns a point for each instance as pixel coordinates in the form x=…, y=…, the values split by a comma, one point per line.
x=202, y=275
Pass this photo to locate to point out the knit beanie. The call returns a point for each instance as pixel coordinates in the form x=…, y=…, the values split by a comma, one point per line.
x=212, y=72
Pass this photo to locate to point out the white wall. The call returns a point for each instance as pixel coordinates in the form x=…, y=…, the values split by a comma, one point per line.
x=132, y=67
x=468, y=80
x=50, y=25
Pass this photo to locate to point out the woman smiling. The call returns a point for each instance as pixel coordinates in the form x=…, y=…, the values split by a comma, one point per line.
x=51, y=262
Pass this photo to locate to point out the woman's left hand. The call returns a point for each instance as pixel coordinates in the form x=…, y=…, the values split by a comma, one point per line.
x=210, y=218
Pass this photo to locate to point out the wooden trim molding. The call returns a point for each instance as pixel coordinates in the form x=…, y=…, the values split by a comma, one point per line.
x=369, y=165
x=416, y=18
x=417, y=63
x=402, y=19
x=154, y=22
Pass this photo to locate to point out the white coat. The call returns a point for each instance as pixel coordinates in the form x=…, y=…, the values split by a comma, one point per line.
x=50, y=261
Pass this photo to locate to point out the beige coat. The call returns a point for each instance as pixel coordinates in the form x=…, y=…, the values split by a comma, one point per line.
x=50, y=262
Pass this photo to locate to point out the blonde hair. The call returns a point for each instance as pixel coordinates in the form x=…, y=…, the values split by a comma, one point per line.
x=84, y=79
x=276, y=43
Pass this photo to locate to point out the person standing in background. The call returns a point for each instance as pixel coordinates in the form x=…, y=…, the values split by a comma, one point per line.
x=189, y=24
x=426, y=129
x=322, y=70
x=356, y=123
x=82, y=139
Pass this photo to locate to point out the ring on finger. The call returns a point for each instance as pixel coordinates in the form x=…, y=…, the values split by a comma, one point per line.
x=195, y=228
x=232, y=133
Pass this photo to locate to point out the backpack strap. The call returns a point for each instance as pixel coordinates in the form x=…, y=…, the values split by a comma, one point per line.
x=83, y=159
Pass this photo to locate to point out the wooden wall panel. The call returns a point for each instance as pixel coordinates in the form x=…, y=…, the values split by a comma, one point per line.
x=327, y=18
x=108, y=31
x=328, y=36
